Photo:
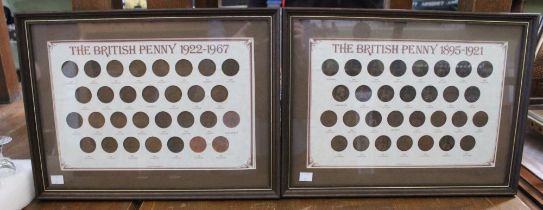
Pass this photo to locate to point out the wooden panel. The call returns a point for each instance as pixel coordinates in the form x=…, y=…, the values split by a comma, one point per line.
x=14, y=116
x=485, y=5
x=9, y=85
x=96, y=4
x=207, y=3
x=401, y=4
x=160, y=4
x=81, y=205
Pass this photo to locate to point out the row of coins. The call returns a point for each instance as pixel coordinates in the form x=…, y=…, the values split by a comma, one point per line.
x=153, y=144
x=160, y=68
x=395, y=118
x=163, y=119
x=403, y=143
x=151, y=94
x=420, y=68
x=407, y=93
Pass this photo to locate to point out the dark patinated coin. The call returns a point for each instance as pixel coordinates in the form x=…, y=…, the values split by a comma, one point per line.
x=92, y=68
x=231, y=119
x=118, y=119
x=395, y=118
x=97, y=120
x=450, y=94
x=185, y=119
x=161, y=67
x=339, y=143
x=383, y=143
x=83, y=95
x=128, y=94
x=140, y=119
x=429, y=93
x=219, y=93
x=353, y=67
x=109, y=144
x=183, y=67
x=74, y=120
x=328, y=118
x=459, y=119
x=131, y=144
x=438, y=118
x=385, y=93
x=376, y=68
x=198, y=144
x=404, y=143
x=87, y=145
x=361, y=143
x=485, y=69
x=208, y=119
x=150, y=94
x=398, y=68
x=69, y=69
x=163, y=119
x=220, y=144
x=417, y=118
x=340, y=93
x=467, y=143
x=230, y=67
x=463, y=68
x=363, y=93
x=472, y=94
x=175, y=144
x=137, y=68
x=442, y=68
x=196, y=93
x=446, y=143
x=153, y=144
x=173, y=94
x=420, y=68
x=351, y=118
x=105, y=94
x=115, y=68
x=373, y=118
x=426, y=143
x=330, y=67
x=480, y=119
x=207, y=67
x=408, y=93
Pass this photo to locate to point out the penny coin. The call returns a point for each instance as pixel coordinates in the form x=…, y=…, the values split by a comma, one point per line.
x=340, y=93
x=196, y=93
x=131, y=144
x=92, y=68
x=339, y=143
x=137, y=68
x=185, y=119
x=442, y=68
x=87, y=145
x=408, y=93
x=231, y=119
x=395, y=118
x=163, y=119
x=83, y=95
x=150, y=94
x=175, y=144
x=385, y=93
x=153, y=144
x=173, y=94
x=161, y=67
x=450, y=94
x=74, y=120
x=109, y=144
x=467, y=143
x=429, y=93
x=183, y=67
x=105, y=94
x=140, y=120
x=207, y=67
x=446, y=143
x=438, y=118
x=420, y=68
x=198, y=144
x=328, y=118
x=459, y=119
x=485, y=69
x=463, y=68
x=426, y=143
x=330, y=67
x=373, y=118
x=220, y=144
x=376, y=68
x=404, y=143
x=208, y=119
x=128, y=94
x=363, y=93
x=114, y=68
x=230, y=67
x=472, y=94
x=118, y=119
x=480, y=119
x=353, y=67
x=69, y=69
x=351, y=118
x=97, y=120
x=398, y=68
x=219, y=93
x=361, y=143
x=417, y=118
x=383, y=143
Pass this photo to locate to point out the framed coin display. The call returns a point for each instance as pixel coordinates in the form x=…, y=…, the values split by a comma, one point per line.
x=404, y=103
x=152, y=104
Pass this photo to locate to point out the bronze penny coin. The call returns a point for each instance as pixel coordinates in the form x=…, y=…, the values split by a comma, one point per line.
x=173, y=94
x=330, y=67
x=398, y=68
x=382, y=143
x=114, y=68
x=467, y=143
x=353, y=67
x=163, y=119
x=450, y=94
x=219, y=93
x=480, y=119
x=131, y=144
x=97, y=120
x=395, y=118
x=87, y=145
x=385, y=93
x=420, y=68
x=207, y=67
x=442, y=68
x=361, y=143
x=161, y=67
x=438, y=118
x=340, y=93
x=105, y=94
x=185, y=119
x=373, y=118
x=376, y=68
x=153, y=144
x=128, y=94
x=220, y=144
x=137, y=68
x=472, y=94
x=83, y=95
x=404, y=143
x=74, y=120
x=485, y=69
x=109, y=144
x=363, y=93
x=429, y=93
x=408, y=93
x=208, y=119
x=183, y=67
x=150, y=94
x=231, y=119
x=118, y=119
x=446, y=143
x=175, y=144
x=351, y=118
x=459, y=119
x=198, y=144
x=426, y=143
x=328, y=118
x=463, y=68
x=417, y=118
x=92, y=68
x=196, y=93
x=140, y=119
x=339, y=143
x=70, y=69
x=230, y=67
